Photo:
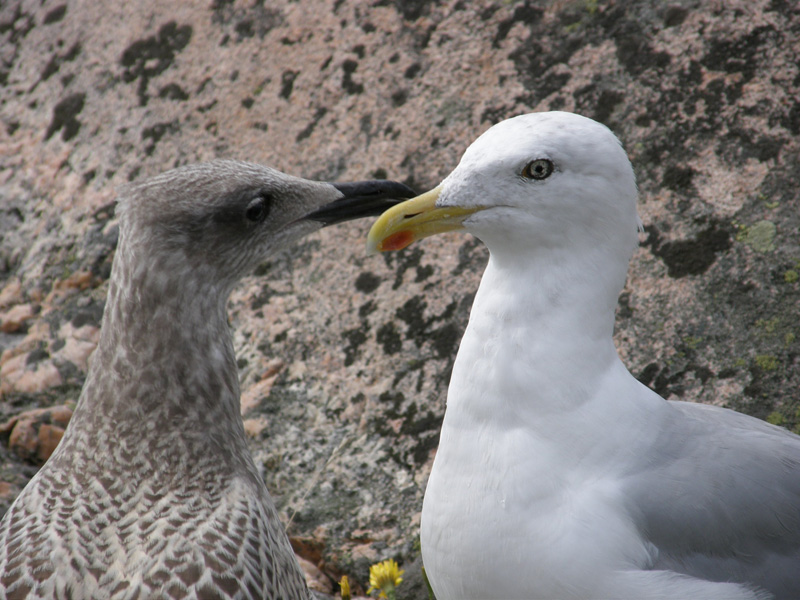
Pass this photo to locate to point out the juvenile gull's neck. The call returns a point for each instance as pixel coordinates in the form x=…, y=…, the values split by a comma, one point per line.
x=163, y=379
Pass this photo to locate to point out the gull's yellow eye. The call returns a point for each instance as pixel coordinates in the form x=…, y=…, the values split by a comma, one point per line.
x=541, y=168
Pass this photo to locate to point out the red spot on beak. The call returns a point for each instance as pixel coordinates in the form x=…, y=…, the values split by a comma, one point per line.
x=397, y=241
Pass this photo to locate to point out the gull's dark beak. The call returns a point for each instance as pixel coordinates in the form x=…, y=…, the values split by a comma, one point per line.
x=361, y=199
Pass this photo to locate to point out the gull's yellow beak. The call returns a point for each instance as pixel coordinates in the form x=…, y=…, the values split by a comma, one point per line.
x=413, y=220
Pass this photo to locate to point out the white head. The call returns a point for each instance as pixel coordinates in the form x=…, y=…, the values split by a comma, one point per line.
x=534, y=184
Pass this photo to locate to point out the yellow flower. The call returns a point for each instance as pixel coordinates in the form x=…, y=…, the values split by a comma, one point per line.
x=344, y=586
x=384, y=576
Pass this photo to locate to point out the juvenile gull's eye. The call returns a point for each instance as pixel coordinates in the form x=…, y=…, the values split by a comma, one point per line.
x=541, y=168
x=258, y=209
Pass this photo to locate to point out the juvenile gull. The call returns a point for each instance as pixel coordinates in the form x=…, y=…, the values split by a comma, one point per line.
x=152, y=492
x=558, y=474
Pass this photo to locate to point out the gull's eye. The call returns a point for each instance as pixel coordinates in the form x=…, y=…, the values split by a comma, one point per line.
x=258, y=209
x=541, y=168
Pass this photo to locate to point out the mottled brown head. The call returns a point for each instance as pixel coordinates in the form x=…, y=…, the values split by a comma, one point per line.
x=230, y=215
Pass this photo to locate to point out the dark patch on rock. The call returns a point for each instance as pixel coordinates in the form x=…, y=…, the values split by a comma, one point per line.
x=667, y=382
x=151, y=56
x=36, y=355
x=760, y=404
x=220, y=5
x=255, y=20
x=597, y=102
x=263, y=297
x=534, y=60
x=488, y=12
x=717, y=94
x=365, y=124
x=287, y=83
x=791, y=120
x=309, y=129
x=693, y=256
x=204, y=108
x=624, y=310
x=410, y=10
x=408, y=259
x=741, y=144
x=678, y=179
x=349, y=67
x=13, y=29
x=248, y=103
x=423, y=38
x=244, y=29
x=65, y=117
x=172, y=91
x=367, y=309
x=55, y=62
x=54, y=15
x=91, y=314
x=355, y=339
x=634, y=51
x=427, y=422
x=367, y=282
x=412, y=313
x=152, y=135
x=675, y=15
x=423, y=272
x=445, y=339
x=742, y=54
x=467, y=253
x=389, y=338
x=412, y=71
x=524, y=13
x=399, y=97
x=19, y=24
x=494, y=114
x=420, y=329
x=422, y=427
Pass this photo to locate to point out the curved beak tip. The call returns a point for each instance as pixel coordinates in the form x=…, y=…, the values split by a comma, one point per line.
x=394, y=241
x=413, y=220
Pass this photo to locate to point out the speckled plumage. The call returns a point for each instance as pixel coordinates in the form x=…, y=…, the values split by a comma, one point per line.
x=152, y=492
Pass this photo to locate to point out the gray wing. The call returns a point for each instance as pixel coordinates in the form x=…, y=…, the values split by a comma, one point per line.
x=719, y=496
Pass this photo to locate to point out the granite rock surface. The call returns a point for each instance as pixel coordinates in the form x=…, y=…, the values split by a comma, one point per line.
x=344, y=359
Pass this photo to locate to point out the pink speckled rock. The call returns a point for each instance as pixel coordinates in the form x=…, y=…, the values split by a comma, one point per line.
x=703, y=95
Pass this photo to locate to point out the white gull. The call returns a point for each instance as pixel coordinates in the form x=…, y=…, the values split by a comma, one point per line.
x=558, y=474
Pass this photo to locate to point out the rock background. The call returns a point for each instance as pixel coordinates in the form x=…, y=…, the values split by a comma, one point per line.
x=345, y=358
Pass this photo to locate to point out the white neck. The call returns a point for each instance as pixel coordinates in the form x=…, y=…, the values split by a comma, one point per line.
x=540, y=339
